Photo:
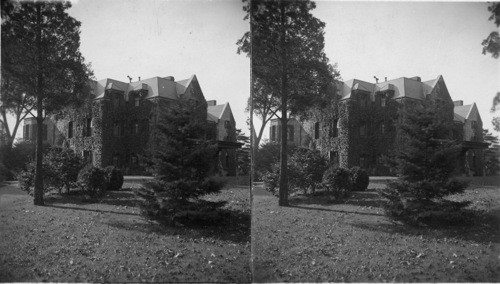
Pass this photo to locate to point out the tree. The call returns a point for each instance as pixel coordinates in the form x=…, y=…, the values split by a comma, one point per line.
x=494, y=108
x=424, y=166
x=492, y=43
x=286, y=44
x=41, y=58
x=243, y=153
x=181, y=158
x=492, y=154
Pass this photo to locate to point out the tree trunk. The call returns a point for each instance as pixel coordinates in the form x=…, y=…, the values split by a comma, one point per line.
x=38, y=194
x=283, y=190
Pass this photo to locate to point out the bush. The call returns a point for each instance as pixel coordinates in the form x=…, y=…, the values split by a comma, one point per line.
x=114, y=178
x=359, y=179
x=337, y=182
x=92, y=180
x=26, y=178
x=271, y=179
x=305, y=169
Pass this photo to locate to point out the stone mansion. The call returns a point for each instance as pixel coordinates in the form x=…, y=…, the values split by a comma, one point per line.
x=360, y=126
x=114, y=129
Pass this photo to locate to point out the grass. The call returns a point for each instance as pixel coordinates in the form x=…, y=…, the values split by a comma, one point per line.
x=353, y=241
x=70, y=240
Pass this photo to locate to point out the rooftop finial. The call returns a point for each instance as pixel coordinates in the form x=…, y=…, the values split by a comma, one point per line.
x=129, y=79
x=376, y=79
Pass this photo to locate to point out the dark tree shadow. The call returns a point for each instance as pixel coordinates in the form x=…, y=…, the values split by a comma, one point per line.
x=235, y=228
x=485, y=228
x=87, y=209
x=336, y=210
x=358, y=198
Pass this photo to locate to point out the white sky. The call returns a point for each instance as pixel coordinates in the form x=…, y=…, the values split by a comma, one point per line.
x=169, y=38
x=384, y=39
x=406, y=39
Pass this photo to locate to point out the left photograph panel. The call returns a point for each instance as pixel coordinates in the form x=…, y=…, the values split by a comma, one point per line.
x=124, y=142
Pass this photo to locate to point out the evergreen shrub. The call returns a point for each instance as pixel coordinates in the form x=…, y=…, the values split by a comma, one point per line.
x=114, y=178
x=358, y=178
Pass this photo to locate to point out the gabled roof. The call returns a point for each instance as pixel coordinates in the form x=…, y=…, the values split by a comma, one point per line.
x=155, y=87
x=216, y=110
x=462, y=112
x=403, y=87
x=469, y=112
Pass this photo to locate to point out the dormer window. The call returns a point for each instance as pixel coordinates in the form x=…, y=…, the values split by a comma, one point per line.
x=137, y=100
x=116, y=101
x=383, y=101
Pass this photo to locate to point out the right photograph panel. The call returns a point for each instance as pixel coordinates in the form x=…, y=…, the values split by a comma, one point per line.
x=375, y=150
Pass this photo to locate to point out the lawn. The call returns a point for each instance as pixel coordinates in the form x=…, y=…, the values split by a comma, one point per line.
x=354, y=242
x=70, y=240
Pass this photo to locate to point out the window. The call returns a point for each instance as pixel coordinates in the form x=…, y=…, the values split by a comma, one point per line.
x=116, y=160
x=116, y=129
x=134, y=160
x=135, y=127
x=227, y=125
x=88, y=127
x=362, y=161
x=137, y=100
x=146, y=126
x=334, y=157
x=334, y=128
x=87, y=157
x=273, y=133
x=44, y=134
x=363, y=100
x=290, y=133
x=116, y=101
x=382, y=101
x=26, y=131
x=70, y=129
x=362, y=129
x=382, y=128
x=316, y=130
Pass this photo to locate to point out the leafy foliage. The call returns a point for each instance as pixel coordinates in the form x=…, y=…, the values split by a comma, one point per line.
x=41, y=59
x=266, y=157
x=92, y=180
x=114, y=178
x=243, y=154
x=305, y=167
x=289, y=66
x=359, y=179
x=492, y=43
x=64, y=167
x=492, y=154
x=425, y=167
x=337, y=182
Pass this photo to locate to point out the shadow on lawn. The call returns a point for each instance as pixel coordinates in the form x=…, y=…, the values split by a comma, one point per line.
x=236, y=228
x=485, y=229
x=358, y=198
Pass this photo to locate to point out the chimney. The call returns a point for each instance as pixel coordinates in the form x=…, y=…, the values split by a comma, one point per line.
x=170, y=78
x=212, y=103
x=139, y=78
x=129, y=79
x=386, y=79
x=458, y=103
x=376, y=79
